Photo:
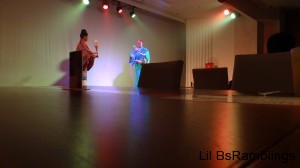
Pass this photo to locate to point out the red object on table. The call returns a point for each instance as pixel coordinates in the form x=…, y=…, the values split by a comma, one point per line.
x=209, y=65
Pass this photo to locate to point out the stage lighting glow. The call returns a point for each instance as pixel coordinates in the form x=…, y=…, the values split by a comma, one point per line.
x=86, y=2
x=226, y=12
x=119, y=8
x=132, y=13
x=105, y=5
x=233, y=16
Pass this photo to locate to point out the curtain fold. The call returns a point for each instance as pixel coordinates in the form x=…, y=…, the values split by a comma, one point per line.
x=199, y=41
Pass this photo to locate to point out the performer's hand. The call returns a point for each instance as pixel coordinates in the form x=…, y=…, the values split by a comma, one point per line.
x=95, y=54
x=96, y=44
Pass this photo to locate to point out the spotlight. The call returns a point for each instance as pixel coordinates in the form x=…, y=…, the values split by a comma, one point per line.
x=132, y=13
x=226, y=12
x=86, y=2
x=119, y=8
x=233, y=15
x=105, y=5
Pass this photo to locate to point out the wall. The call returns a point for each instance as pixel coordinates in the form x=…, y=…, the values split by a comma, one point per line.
x=269, y=28
x=36, y=38
x=238, y=36
x=291, y=23
x=245, y=35
x=223, y=44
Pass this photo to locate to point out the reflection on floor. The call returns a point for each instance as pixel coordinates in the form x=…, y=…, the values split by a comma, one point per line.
x=128, y=127
x=234, y=97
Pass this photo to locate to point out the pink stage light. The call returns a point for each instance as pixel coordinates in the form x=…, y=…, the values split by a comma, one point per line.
x=105, y=6
x=120, y=11
x=226, y=12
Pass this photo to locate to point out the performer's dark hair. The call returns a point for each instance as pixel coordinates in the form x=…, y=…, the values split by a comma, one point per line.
x=83, y=33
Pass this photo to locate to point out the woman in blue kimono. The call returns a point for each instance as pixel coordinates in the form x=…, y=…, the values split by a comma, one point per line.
x=138, y=56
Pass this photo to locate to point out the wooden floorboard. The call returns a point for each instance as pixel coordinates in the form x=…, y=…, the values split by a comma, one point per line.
x=125, y=127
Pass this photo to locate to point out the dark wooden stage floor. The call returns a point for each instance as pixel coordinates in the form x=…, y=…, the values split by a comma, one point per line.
x=48, y=127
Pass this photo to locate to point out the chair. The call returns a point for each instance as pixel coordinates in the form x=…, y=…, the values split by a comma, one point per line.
x=164, y=75
x=263, y=73
x=211, y=78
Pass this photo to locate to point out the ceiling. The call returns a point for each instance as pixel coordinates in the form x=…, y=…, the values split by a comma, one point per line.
x=282, y=3
x=178, y=9
x=183, y=9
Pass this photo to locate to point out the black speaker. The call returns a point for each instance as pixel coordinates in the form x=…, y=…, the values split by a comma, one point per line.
x=75, y=70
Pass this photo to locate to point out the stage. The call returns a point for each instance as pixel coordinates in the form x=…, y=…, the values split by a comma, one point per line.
x=52, y=127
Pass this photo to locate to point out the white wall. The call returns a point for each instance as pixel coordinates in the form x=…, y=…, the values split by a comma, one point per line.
x=36, y=41
x=245, y=30
x=199, y=45
x=234, y=37
x=223, y=45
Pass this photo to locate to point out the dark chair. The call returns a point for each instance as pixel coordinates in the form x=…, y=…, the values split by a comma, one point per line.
x=263, y=73
x=164, y=75
x=211, y=78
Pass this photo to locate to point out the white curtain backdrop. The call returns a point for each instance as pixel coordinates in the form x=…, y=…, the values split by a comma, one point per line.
x=199, y=45
x=36, y=37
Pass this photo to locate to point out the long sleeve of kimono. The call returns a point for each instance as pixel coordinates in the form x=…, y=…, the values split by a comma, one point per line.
x=85, y=49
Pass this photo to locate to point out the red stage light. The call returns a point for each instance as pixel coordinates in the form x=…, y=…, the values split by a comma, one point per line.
x=226, y=12
x=209, y=65
x=119, y=8
x=105, y=6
